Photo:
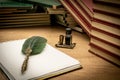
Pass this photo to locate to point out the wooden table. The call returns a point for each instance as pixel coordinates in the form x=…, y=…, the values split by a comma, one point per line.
x=94, y=68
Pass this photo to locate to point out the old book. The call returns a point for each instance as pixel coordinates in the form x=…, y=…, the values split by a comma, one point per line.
x=111, y=30
x=105, y=55
x=60, y=19
x=14, y=4
x=106, y=19
x=109, y=2
x=75, y=10
x=68, y=21
x=26, y=25
x=55, y=11
x=87, y=7
x=111, y=49
x=81, y=12
x=25, y=19
x=107, y=9
x=107, y=38
x=49, y=63
x=47, y=3
x=9, y=6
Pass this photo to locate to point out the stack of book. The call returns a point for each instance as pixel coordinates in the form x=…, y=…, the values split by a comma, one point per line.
x=68, y=21
x=60, y=19
x=102, y=23
x=48, y=6
x=58, y=13
x=19, y=14
x=24, y=19
x=105, y=33
x=82, y=13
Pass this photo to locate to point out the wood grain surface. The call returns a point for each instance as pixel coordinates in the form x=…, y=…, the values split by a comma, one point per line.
x=94, y=68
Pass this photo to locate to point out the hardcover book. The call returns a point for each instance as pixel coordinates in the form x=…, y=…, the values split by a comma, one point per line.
x=109, y=2
x=107, y=38
x=105, y=32
x=9, y=6
x=24, y=19
x=107, y=9
x=87, y=7
x=105, y=46
x=47, y=3
x=81, y=16
x=114, y=30
x=107, y=19
x=105, y=55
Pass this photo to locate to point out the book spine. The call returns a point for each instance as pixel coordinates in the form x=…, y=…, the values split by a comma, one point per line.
x=106, y=23
x=107, y=33
x=79, y=2
x=105, y=46
x=78, y=10
x=106, y=19
x=104, y=50
x=20, y=20
x=114, y=3
x=106, y=57
x=106, y=41
x=77, y=16
x=107, y=13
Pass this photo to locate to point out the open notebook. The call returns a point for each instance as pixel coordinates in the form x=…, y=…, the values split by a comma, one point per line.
x=49, y=63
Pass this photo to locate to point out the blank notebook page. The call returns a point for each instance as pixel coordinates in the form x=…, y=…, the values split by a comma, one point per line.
x=48, y=61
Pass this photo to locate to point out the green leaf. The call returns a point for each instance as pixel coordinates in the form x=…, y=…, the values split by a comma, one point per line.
x=35, y=43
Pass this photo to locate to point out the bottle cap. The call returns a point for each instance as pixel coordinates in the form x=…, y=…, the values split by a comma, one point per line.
x=68, y=30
